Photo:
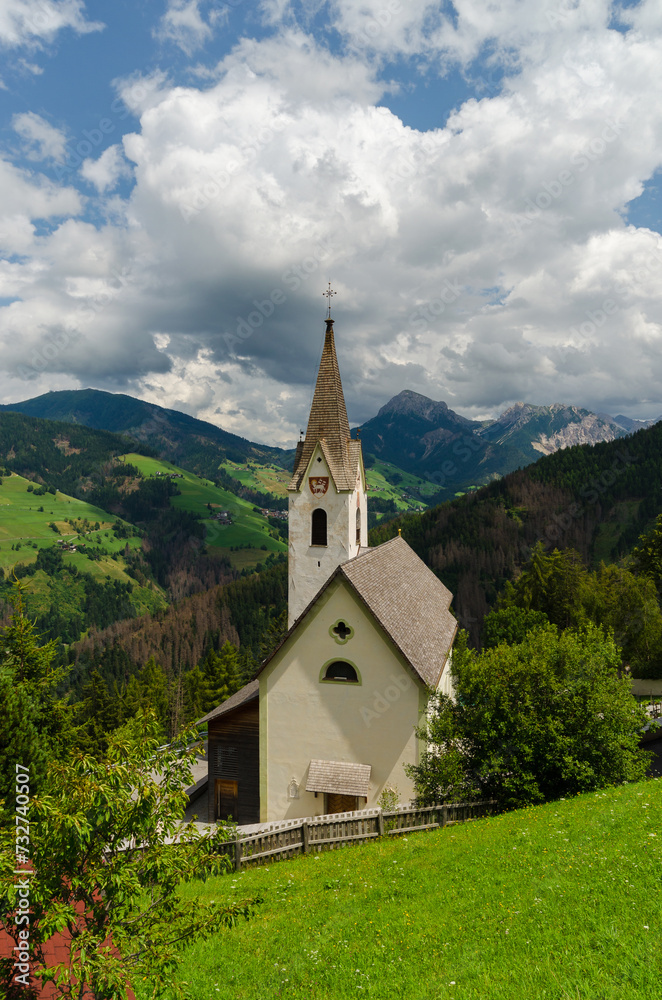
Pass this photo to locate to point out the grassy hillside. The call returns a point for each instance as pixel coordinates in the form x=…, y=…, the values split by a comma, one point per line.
x=25, y=527
x=66, y=456
x=29, y=523
x=385, y=482
x=557, y=902
x=246, y=541
x=262, y=477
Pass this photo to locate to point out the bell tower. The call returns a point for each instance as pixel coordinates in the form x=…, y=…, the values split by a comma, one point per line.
x=328, y=516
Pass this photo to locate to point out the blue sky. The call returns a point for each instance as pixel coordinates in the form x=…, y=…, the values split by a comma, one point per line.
x=180, y=178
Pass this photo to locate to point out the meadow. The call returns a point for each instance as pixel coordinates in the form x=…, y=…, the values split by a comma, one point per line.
x=377, y=478
x=557, y=902
x=265, y=478
x=25, y=527
x=249, y=529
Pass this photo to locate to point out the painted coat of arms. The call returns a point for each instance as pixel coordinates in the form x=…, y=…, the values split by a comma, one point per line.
x=318, y=485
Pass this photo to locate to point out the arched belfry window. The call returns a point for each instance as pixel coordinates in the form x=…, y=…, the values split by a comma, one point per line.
x=318, y=527
x=340, y=670
x=358, y=525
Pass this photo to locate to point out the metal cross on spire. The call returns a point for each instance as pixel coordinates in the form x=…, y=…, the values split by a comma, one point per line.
x=327, y=294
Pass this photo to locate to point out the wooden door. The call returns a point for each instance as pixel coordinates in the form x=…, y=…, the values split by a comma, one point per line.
x=227, y=793
x=341, y=803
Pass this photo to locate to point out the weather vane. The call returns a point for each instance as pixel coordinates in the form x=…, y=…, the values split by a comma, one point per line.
x=327, y=294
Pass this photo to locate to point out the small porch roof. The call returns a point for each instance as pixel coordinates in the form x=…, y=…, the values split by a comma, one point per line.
x=338, y=777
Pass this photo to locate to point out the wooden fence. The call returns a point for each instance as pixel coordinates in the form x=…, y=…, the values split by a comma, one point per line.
x=327, y=833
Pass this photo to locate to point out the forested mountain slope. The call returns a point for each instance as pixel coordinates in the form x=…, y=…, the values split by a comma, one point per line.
x=65, y=456
x=596, y=499
x=195, y=444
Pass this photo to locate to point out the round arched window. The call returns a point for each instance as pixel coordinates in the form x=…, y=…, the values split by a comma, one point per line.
x=340, y=670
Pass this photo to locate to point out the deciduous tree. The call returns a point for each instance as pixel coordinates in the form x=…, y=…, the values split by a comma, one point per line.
x=109, y=856
x=536, y=720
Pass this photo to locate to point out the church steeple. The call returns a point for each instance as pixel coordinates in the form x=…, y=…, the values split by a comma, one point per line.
x=327, y=422
x=328, y=503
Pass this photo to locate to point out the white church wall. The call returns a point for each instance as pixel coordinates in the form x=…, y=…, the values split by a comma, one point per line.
x=301, y=719
x=310, y=566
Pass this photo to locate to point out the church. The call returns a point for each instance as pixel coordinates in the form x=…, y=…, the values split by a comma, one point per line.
x=330, y=720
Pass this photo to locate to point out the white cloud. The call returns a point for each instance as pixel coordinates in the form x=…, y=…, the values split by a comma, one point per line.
x=31, y=22
x=24, y=199
x=481, y=263
x=42, y=141
x=184, y=25
x=106, y=171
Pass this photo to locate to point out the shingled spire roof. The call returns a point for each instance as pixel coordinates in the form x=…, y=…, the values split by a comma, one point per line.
x=328, y=424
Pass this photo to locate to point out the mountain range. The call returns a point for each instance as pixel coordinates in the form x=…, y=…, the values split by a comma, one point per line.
x=430, y=440
x=175, y=436
x=411, y=431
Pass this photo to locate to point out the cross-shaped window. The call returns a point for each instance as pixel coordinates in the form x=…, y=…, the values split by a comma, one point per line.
x=342, y=631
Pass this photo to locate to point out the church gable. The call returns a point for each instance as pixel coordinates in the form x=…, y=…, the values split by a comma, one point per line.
x=317, y=478
x=337, y=625
x=337, y=690
x=405, y=599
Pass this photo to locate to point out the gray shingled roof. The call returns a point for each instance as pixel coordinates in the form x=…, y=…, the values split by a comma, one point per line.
x=328, y=424
x=241, y=697
x=408, y=601
x=339, y=777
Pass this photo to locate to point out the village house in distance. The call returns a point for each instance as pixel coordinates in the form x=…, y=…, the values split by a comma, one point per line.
x=330, y=720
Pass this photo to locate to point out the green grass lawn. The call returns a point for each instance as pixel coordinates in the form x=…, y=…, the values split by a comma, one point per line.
x=561, y=902
x=21, y=520
x=249, y=528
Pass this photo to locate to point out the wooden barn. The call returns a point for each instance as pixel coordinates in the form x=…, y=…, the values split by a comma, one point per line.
x=233, y=790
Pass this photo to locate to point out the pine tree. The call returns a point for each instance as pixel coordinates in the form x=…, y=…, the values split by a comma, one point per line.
x=273, y=635
x=222, y=674
x=195, y=695
x=35, y=725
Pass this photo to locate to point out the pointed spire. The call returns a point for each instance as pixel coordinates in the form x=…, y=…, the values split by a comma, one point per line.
x=328, y=421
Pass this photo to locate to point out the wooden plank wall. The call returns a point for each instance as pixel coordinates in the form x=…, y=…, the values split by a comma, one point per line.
x=238, y=730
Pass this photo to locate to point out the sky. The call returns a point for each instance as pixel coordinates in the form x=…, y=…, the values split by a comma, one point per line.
x=479, y=181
